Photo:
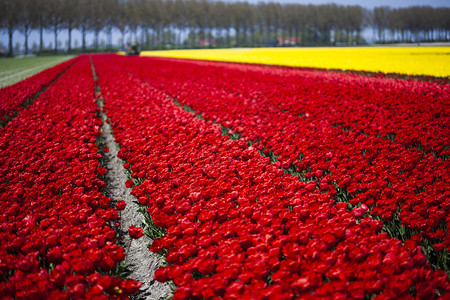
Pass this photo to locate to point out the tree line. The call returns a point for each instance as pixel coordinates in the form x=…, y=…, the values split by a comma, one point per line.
x=158, y=24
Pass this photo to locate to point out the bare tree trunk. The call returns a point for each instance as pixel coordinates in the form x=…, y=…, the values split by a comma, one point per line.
x=26, y=38
x=192, y=38
x=96, y=33
x=41, y=38
x=264, y=38
x=55, y=28
x=154, y=38
x=10, y=35
x=69, y=49
x=83, y=38
x=275, y=34
x=218, y=36
x=272, y=35
x=109, y=36
x=261, y=35
x=169, y=36
x=210, y=37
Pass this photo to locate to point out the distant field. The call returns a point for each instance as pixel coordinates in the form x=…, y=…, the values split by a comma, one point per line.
x=427, y=61
x=13, y=70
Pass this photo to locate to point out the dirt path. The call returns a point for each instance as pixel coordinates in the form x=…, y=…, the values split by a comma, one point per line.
x=142, y=261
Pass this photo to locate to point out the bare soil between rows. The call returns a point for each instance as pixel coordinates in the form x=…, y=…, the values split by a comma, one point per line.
x=143, y=262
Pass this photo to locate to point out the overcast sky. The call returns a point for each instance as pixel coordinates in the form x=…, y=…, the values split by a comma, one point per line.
x=365, y=3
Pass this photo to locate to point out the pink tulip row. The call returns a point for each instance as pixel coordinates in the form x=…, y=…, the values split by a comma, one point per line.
x=54, y=234
x=237, y=226
x=394, y=181
x=13, y=97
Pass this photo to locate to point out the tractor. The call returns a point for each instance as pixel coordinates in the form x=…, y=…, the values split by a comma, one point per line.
x=132, y=49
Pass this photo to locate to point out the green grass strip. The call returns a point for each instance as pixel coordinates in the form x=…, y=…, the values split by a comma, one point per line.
x=13, y=70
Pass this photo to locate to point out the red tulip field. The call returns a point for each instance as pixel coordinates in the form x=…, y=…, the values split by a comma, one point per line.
x=254, y=182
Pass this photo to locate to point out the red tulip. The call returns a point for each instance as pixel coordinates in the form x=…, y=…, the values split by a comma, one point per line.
x=120, y=205
x=230, y=213
x=130, y=286
x=129, y=183
x=135, y=232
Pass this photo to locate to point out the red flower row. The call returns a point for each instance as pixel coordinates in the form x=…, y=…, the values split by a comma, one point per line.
x=56, y=242
x=237, y=226
x=14, y=96
x=375, y=106
x=376, y=172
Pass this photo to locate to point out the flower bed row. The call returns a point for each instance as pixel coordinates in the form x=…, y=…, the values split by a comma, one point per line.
x=13, y=97
x=395, y=62
x=54, y=234
x=417, y=113
x=395, y=182
x=236, y=225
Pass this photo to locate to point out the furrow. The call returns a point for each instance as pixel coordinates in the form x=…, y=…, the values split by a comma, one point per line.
x=236, y=225
x=17, y=97
x=55, y=237
x=139, y=260
x=404, y=188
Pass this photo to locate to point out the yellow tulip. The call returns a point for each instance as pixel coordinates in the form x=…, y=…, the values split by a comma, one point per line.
x=427, y=61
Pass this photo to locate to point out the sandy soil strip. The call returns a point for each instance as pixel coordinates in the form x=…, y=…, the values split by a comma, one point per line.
x=142, y=261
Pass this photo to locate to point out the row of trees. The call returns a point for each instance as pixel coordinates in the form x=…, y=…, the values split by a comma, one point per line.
x=414, y=24
x=194, y=23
